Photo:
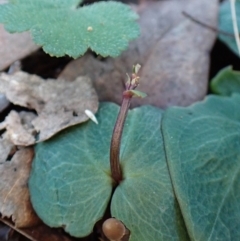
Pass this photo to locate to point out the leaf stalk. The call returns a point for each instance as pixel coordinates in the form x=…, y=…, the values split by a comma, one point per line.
x=131, y=84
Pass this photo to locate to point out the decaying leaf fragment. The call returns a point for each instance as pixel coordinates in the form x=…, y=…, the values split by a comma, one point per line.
x=58, y=103
x=6, y=148
x=18, y=129
x=14, y=46
x=14, y=199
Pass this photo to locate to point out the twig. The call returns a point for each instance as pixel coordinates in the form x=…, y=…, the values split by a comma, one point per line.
x=208, y=26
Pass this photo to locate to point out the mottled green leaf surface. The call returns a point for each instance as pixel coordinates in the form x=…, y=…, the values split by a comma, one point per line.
x=70, y=184
x=144, y=201
x=226, y=24
x=63, y=28
x=226, y=82
x=202, y=145
x=192, y=154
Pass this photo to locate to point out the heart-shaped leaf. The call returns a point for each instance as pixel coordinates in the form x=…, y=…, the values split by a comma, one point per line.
x=70, y=184
x=63, y=28
x=202, y=144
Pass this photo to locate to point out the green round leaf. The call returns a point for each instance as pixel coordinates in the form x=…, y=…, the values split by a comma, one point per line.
x=202, y=149
x=63, y=28
x=226, y=82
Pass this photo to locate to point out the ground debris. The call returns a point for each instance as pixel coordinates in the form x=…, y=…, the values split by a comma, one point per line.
x=58, y=103
x=172, y=50
x=14, y=199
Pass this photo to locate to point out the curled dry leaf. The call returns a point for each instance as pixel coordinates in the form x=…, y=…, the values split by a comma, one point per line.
x=14, y=198
x=172, y=50
x=58, y=103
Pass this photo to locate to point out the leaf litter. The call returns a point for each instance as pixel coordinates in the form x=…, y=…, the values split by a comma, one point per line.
x=18, y=129
x=172, y=50
x=58, y=103
x=53, y=105
x=14, y=198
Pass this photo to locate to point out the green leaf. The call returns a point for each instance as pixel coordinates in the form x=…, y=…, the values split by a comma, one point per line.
x=70, y=183
x=226, y=24
x=63, y=28
x=145, y=201
x=137, y=93
x=202, y=149
x=226, y=82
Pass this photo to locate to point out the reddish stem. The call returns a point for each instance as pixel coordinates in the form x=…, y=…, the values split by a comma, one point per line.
x=118, y=130
x=116, y=140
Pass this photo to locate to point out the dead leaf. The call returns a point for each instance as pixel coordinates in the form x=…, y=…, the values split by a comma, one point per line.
x=59, y=104
x=14, y=198
x=6, y=148
x=172, y=50
x=26, y=120
x=4, y=103
x=14, y=47
x=19, y=133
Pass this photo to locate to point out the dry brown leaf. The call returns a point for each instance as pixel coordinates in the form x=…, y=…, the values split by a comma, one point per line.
x=173, y=52
x=59, y=104
x=14, y=47
x=14, y=198
x=19, y=130
x=6, y=147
